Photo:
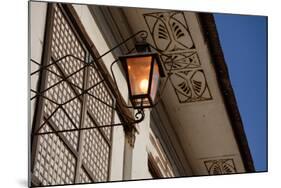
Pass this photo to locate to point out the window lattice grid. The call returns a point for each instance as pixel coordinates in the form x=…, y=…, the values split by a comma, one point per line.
x=55, y=90
x=55, y=164
x=95, y=152
x=64, y=42
x=64, y=120
x=83, y=177
x=94, y=76
x=101, y=112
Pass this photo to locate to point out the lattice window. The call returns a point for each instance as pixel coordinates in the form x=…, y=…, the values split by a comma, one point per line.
x=95, y=152
x=84, y=177
x=65, y=42
x=71, y=157
x=66, y=117
x=55, y=164
x=101, y=112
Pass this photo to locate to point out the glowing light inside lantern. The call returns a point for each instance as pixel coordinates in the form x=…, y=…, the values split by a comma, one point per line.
x=142, y=73
x=143, y=85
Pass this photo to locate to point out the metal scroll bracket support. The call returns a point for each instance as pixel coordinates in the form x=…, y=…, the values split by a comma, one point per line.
x=139, y=115
x=130, y=122
x=130, y=130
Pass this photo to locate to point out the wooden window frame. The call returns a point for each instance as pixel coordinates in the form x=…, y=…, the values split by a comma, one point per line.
x=80, y=31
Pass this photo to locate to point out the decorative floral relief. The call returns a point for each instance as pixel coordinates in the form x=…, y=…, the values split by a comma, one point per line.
x=171, y=36
x=169, y=31
x=190, y=85
x=220, y=166
x=181, y=60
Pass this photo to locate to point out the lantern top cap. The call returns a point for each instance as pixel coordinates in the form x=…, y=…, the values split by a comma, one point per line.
x=154, y=55
x=142, y=46
x=139, y=54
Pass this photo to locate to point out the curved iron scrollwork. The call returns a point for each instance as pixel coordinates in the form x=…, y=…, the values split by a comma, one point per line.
x=139, y=116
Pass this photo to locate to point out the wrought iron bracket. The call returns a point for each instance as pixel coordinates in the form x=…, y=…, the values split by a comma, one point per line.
x=139, y=116
x=139, y=113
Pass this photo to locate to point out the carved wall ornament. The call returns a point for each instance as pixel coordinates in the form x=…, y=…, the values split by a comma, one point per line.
x=190, y=85
x=220, y=166
x=169, y=31
x=171, y=35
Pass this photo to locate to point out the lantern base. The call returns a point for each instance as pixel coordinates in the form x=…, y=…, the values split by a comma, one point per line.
x=141, y=101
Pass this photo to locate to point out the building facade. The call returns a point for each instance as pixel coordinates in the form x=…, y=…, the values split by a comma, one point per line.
x=194, y=130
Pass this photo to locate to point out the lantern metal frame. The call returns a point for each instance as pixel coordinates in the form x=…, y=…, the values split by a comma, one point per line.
x=144, y=49
x=155, y=59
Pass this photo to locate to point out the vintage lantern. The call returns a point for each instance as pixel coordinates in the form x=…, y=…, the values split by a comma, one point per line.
x=143, y=71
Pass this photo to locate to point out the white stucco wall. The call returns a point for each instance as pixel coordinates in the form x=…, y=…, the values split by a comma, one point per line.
x=209, y=119
x=203, y=127
x=140, y=154
x=36, y=36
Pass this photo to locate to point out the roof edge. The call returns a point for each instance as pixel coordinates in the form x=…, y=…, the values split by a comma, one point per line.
x=211, y=36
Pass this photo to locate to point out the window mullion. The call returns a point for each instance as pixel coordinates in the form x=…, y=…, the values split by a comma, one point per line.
x=82, y=120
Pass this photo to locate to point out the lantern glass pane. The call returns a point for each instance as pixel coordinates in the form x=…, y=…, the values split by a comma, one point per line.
x=138, y=70
x=155, y=81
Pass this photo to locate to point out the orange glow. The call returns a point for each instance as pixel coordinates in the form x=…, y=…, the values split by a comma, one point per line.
x=139, y=70
x=143, y=85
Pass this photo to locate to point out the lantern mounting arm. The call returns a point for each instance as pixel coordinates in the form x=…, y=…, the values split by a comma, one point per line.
x=139, y=116
x=139, y=113
x=143, y=34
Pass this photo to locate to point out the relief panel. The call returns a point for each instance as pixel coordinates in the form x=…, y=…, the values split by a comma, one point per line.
x=172, y=38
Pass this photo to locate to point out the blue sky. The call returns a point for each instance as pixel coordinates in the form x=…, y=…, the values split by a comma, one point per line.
x=244, y=43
